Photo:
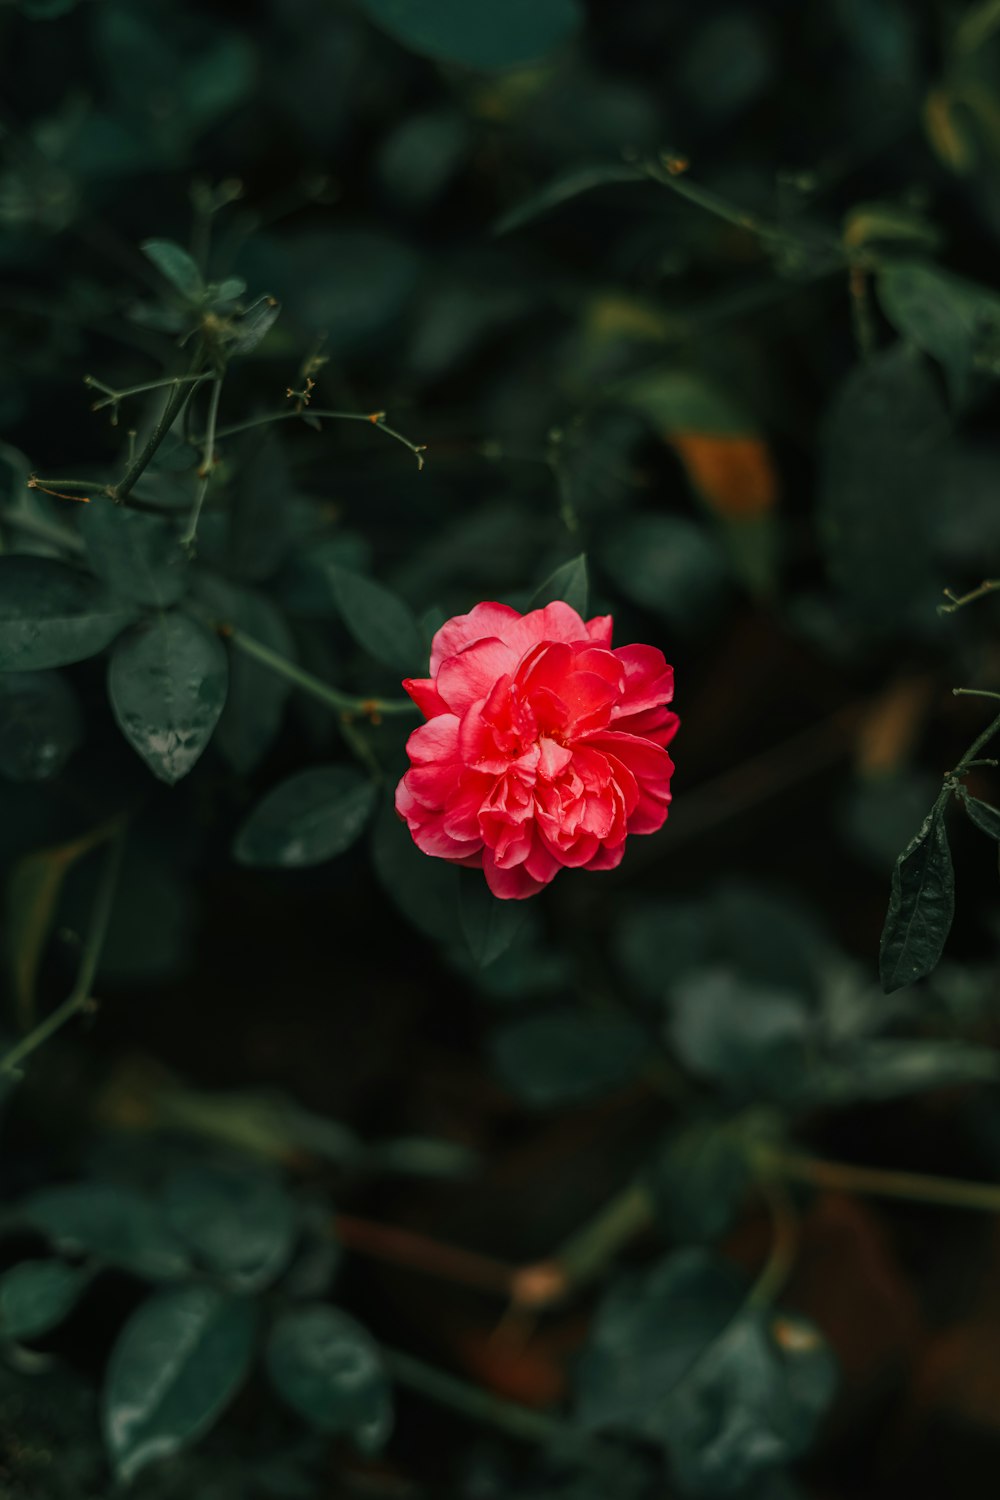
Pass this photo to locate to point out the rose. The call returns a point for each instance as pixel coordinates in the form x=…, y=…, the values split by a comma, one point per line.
x=543, y=747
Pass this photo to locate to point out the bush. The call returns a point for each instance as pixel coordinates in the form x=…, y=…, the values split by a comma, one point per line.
x=485, y=1151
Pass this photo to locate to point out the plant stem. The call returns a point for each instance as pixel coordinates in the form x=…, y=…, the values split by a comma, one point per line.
x=482, y=1406
x=913, y=1187
x=205, y=472
x=333, y=697
x=79, y=998
x=784, y=1245
x=670, y=175
x=957, y=601
x=112, y=397
x=586, y=1254
x=374, y=419
x=418, y=1252
x=983, y=740
x=179, y=396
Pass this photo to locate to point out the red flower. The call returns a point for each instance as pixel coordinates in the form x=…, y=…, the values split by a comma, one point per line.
x=543, y=747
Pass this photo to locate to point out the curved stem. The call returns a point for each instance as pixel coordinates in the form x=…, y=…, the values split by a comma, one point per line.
x=179, y=397
x=373, y=418
x=482, y=1406
x=79, y=998
x=784, y=1245
x=373, y=708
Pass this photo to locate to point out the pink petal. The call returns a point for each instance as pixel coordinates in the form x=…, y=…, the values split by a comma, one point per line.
x=484, y=621
x=649, y=681
x=474, y=673
x=608, y=857
x=437, y=740
x=599, y=630
x=510, y=885
x=425, y=695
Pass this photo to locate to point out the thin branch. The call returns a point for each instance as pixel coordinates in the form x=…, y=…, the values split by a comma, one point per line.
x=878, y=1182
x=179, y=397
x=207, y=463
x=374, y=419
x=958, y=601
x=482, y=1406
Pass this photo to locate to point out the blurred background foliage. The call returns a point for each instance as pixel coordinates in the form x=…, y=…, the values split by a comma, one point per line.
x=347, y=1180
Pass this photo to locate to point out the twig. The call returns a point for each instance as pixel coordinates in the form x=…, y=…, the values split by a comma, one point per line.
x=207, y=463
x=373, y=418
x=958, y=601
x=179, y=397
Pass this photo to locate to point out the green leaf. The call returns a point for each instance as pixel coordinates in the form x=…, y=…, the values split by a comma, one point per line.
x=893, y=1067
x=177, y=266
x=983, y=814
x=749, y=1405
x=177, y=1364
x=307, y=819
x=569, y=583
x=488, y=925
x=657, y=942
x=882, y=485
x=566, y=186
x=254, y=325
x=753, y=1039
x=478, y=36
x=564, y=1057
x=380, y=622
x=944, y=315
x=167, y=681
x=137, y=555
x=47, y=10
x=422, y=887
x=40, y=725
x=113, y=1224
x=330, y=1370
x=52, y=615
x=237, y=1222
x=647, y=1333
x=255, y=702
x=36, y=1295
x=698, y=1179
x=921, y=906
x=668, y=565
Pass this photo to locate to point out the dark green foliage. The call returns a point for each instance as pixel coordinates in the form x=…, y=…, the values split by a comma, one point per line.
x=36, y=1295
x=568, y=582
x=380, y=622
x=137, y=555
x=921, y=906
x=313, y=816
x=323, y=1170
x=478, y=37
x=167, y=682
x=563, y=1057
x=51, y=614
x=330, y=1371
x=177, y=1364
x=40, y=725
